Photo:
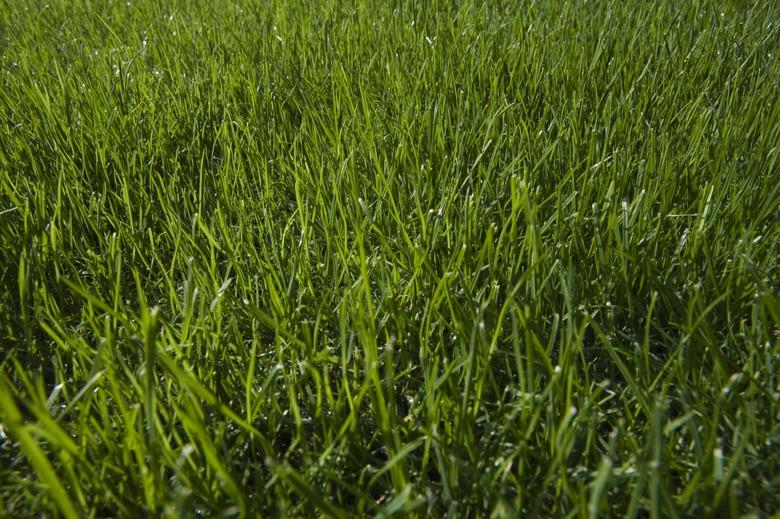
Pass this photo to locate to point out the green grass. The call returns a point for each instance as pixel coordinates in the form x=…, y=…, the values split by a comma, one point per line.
x=390, y=258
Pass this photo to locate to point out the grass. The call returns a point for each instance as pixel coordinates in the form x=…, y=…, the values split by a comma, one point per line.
x=413, y=258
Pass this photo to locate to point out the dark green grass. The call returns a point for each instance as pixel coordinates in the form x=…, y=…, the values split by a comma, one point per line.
x=376, y=258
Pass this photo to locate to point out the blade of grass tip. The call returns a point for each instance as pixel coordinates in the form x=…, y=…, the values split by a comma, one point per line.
x=726, y=480
x=646, y=335
x=23, y=282
x=638, y=492
x=470, y=367
x=661, y=504
x=250, y=375
x=150, y=329
x=33, y=451
x=599, y=485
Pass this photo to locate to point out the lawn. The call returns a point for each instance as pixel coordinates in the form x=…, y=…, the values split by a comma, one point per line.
x=375, y=258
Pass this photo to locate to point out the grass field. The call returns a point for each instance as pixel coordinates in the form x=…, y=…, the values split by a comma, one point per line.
x=414, y=258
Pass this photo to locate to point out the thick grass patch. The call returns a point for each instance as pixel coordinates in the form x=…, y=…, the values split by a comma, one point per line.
x=377, y=258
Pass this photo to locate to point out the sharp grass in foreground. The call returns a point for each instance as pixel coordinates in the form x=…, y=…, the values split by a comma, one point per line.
x=378, y=258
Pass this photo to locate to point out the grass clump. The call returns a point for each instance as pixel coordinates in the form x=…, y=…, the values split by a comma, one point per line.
x=389, y=258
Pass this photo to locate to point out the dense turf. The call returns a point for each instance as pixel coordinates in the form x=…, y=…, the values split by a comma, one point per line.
x=395, y=257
